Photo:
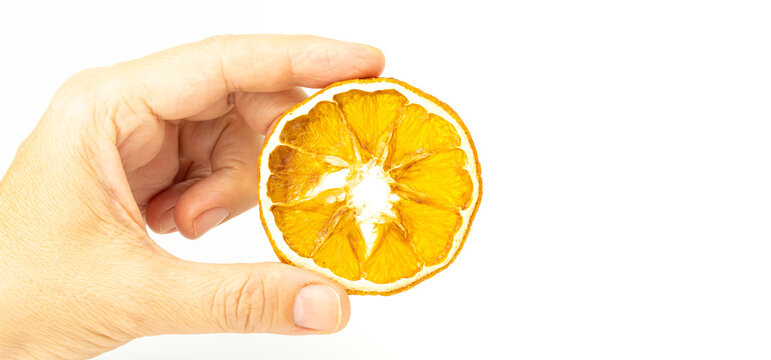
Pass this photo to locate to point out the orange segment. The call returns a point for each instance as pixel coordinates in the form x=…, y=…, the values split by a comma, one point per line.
x=372, y=116
x=294, y=174
x=322, y=131
x=392, y=258
x=438, y=179
x=343, y=250
x=418, y=135
x=305, y=224
x=429, y=229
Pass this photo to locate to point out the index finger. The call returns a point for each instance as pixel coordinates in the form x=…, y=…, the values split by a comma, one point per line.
x=185, y=80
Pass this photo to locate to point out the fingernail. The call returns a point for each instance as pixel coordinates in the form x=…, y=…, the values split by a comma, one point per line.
x=317, y=307
x=166, y=222
x=208, y=220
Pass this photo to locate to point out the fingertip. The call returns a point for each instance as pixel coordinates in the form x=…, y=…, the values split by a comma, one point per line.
x=365, y=61
x=376, y=59
x=161, y=214
x=345, y=304
x=166, y=222
x=319, y=62
x=208, y=219
x=321, y=307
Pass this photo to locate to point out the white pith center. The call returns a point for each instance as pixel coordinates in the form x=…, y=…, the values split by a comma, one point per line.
x=371, y=197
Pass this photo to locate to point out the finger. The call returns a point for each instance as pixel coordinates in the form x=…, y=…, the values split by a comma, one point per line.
x=151, y=168
x=160, y=209
x=259, y=110
x=194, y=298
x=230, y=189
x=185, y=80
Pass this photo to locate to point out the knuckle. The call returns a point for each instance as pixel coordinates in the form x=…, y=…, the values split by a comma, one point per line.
x=245, y=305
x=79, y=87
x=217, y=45
x=91, y=82
x=84, y=77
x=86, y=91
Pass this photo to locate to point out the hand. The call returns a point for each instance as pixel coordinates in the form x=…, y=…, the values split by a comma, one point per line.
x=169, y=141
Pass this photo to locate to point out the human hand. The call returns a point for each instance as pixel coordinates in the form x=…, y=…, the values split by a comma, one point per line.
x=169, y=141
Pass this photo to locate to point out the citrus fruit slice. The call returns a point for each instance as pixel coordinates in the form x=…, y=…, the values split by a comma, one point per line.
x=370, y=182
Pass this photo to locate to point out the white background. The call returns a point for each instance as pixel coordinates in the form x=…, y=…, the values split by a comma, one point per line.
x=625, y=152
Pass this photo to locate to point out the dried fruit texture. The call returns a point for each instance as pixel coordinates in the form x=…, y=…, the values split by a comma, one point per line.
x=294, y=173
x=305, y=224
x=322, y=131
x=420, y=134
x=372, y=117
x=371, y=182
x=429, y=228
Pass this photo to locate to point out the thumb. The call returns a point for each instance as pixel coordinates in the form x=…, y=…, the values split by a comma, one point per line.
x=194, y=298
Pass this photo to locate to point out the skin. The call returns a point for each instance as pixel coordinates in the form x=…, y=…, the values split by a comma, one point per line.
x=118, y=146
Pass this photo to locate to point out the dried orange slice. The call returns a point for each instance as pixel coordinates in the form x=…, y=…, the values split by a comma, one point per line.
x=370, y=182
